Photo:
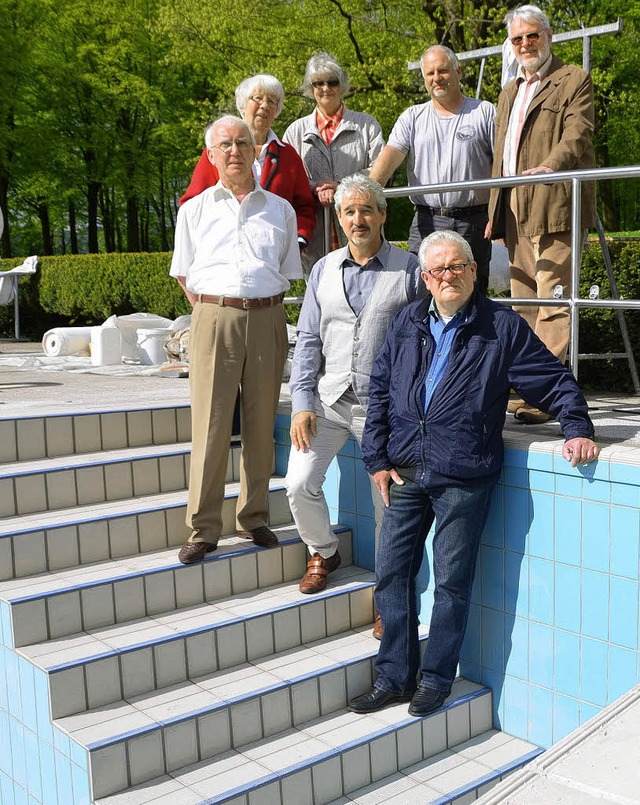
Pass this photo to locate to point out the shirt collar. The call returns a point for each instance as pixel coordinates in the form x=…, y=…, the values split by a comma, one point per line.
x=459, y=316
x=220, y=192
x=380, y=258
x=323, y=120
x=540, y=73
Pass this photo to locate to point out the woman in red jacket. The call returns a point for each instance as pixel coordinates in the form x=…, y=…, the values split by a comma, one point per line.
x=278, y=167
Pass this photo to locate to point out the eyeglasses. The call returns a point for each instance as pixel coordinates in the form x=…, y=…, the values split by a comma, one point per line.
x=226, y=147
x=332, y=82
x=456, y=268
x=533, y=37
x=259, y=101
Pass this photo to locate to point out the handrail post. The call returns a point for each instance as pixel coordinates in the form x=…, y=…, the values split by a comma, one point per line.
x=327, y=230
x=574, y=291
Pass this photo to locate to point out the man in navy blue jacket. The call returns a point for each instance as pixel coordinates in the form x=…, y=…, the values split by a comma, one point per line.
x=433, y=445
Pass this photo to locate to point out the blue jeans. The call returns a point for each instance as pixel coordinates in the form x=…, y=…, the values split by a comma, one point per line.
x=460, y=514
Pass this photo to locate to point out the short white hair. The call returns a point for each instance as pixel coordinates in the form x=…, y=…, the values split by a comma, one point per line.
x=529, y=14
x=319, y=66
x=227, y=120
x=443, y=236
x=453, y=59
x=263, y=82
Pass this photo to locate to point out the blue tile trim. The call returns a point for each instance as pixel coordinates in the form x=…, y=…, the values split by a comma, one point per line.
x=98, y=412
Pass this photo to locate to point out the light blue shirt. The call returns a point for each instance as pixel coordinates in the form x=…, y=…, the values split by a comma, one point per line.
x=443, y=334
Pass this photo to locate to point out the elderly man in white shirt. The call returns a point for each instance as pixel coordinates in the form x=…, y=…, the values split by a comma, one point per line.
x=235, y=251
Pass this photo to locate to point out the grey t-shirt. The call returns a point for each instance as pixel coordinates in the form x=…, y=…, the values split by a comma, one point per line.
x=447, y=149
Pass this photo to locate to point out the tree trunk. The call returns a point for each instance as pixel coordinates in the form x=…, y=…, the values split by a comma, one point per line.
x=4, y=207
x=133, y=231
x=73, y=233
x=107, y=220
x=45, y=226
x=93, y=190
x=164, y=240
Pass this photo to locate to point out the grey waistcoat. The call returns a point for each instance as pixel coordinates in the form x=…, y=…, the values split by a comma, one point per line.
x=351, y=343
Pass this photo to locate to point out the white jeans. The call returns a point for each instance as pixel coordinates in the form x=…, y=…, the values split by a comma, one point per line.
x=306, y=473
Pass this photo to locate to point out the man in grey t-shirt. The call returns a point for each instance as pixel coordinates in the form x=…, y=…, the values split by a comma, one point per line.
x=448, y=139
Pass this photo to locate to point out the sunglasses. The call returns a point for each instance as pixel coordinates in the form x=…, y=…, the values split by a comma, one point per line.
x=333, y=82
x=518, y=40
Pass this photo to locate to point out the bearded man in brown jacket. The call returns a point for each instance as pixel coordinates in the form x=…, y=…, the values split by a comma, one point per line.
x=544, y=124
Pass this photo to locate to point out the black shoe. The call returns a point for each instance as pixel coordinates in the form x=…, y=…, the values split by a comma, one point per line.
x=426, y=700
x=376, y=699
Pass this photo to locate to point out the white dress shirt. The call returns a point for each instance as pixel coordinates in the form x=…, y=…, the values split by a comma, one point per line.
x=243, y=249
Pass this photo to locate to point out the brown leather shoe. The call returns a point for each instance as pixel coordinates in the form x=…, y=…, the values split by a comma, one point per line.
x=514, y=404
x=315, y=579
x=262, y=536
x=531, y=416
x=377, y=628
x=192, y=552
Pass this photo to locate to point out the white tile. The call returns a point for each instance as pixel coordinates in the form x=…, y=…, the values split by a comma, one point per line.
x=296, y=788
x=139, y=428
x=87, y=433
x=294, y=561
x=276, y=711
x=384, y=760
x=313, y=621
x=108, y=770
x=30, y=494
x=64, y=614
x=228, y=478
x=152, y=531
x=327, y=780
x=259, y=632
x=180, y=745
x=160, y=592
x=458, y=725
x=6, y=559
x=114, y=430
x=118, y=480
x=94, y=541
x=59, y=434
x=8, y=448
x=172, y=475
x=123, y=536
x=62, y=547
x=145, y=757
x=361, y=604
x=31, y=438
x=90, y=485
x=146, y=476
x=246, y=724
x=170, y=662
x=29, y=552
x=464, y=773
x=409, y=741
x=333, y=691
x=434, y=734
x=129, y=598
x=97, y=606
x=266, y=795
x=359, y=679
x=269, y=567
x=244, y=573
x=214, y=731
x=201, y=654
x=163, y=423
x=103, y=681
x=8, y=506
x=305, y=699
x=183, y=420
x=231, y=645
x=338, y=617
x=189, y=586
x=279, y=511
x=286, y=626
x=356, y=770
x=61, y=489
x=137, y=672
x=177, y=531
x=67, y=692
x=480, y=714
x=217, y=579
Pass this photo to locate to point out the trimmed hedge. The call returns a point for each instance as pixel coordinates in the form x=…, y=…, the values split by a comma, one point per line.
x=87, y=289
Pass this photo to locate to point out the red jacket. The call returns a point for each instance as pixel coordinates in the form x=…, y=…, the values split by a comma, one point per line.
x=283, y=174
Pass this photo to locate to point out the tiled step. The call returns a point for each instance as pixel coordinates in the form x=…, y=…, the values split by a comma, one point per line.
x=43, y=484
x=33, y=437
x=95, y=668
x=216, y=713
x=82, y=535
x=145, y=584
x=322, y=759
x=458, y=776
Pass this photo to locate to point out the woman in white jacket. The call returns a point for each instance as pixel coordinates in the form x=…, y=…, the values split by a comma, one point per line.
x=333, y=141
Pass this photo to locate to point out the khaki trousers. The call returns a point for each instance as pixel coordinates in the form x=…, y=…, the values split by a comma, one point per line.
x=231, y=349
x=537, y=265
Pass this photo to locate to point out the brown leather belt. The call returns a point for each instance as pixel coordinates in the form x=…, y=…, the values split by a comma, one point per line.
x=239, y=302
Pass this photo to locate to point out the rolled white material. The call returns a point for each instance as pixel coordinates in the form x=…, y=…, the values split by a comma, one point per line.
x=106, y=349
x=151, y=344
x=66, y=341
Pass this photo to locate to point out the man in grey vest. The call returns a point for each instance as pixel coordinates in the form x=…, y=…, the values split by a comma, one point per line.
x=352, y=295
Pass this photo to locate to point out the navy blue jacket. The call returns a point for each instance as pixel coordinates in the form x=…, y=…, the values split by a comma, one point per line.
x=460, y=438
